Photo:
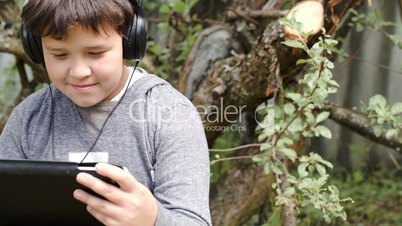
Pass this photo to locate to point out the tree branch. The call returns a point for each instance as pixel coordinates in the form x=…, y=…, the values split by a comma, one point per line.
x=9, y=28
x=10, y=38
x=251, y=15
x=359, y=123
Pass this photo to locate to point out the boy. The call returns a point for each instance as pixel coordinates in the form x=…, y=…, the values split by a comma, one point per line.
x=151, y=129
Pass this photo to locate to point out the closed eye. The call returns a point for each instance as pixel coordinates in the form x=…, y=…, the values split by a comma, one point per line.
x=97, y=53
x=59, y=55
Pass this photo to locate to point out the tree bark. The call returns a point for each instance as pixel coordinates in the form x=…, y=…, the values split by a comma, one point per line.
x=245, y=188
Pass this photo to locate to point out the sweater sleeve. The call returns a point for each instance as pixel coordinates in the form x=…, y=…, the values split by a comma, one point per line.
x=182, y=170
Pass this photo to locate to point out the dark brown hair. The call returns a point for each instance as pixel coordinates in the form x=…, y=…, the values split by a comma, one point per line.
x=54, y=17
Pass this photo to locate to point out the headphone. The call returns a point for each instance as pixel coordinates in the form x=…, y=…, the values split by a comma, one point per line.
x=133, y=46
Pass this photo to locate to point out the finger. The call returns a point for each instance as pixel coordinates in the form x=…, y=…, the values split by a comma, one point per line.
x=101, y=217
x=125, y=180
x=101, y=206
x=107, y=191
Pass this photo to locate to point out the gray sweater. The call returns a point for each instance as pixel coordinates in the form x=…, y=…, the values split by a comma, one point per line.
x=155, y=133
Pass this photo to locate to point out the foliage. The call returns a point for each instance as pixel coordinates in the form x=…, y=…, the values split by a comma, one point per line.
x=384, y=116
x=378, y=195
x=174, y=14
x=372, y=20
x=296, y=120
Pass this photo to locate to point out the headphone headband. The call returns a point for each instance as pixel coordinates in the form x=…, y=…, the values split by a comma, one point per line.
x=133, y=47
x=137, y=3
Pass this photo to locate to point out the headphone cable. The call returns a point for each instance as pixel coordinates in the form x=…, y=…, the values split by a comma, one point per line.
x=110, y=114
x=104, y=123
x=52, y=111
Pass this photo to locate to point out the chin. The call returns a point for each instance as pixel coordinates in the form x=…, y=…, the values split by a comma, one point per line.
x=85, y=104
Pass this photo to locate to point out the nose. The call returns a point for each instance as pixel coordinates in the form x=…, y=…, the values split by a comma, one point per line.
x=80, y=70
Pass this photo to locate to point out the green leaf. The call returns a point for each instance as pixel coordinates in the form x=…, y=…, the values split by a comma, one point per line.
x=276, y=169
x=289, y=191
x=333, y=83
x=257, y=159
x=310, y=119
x=288, y=152
x=262, y=137
x=285, y=22
x=303, y=61
x=324, y=131
x=304, y=158
x=284, y=141
x=164, y=9
x=326, y=163
x=296, y=126
x=164, y=26
x=377, y=130
x=322, y=116
x=301, y=169
x=293, y=44
x=319, y=98
x=267, y=168
x=265, y=147
x=292, y=179
x=289, y=108
x=358, y=176
x=391, y=133
x=378, y=100
x=321, y=169
x=396, y=108
x=179, y=7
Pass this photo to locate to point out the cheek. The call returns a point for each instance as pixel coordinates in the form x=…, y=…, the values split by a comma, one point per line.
x=108, y=68
x=56, y=70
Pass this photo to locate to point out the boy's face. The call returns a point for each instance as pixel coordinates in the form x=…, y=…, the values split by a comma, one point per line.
x=85, y=66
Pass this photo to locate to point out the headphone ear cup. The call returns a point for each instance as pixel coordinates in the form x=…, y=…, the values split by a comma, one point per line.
x=136, y=43
x=32, y=45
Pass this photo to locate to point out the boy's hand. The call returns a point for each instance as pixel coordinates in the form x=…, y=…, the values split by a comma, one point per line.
x=131, y=204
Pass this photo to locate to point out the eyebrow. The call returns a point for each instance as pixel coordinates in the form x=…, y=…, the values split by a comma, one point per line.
x=97, y=47
x=52, y=49
x=88, y=47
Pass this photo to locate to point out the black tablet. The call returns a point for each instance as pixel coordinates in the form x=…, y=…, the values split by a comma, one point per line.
x=41, y=193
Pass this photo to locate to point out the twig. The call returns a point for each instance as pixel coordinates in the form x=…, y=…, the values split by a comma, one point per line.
x=238, y=13
x=379, y=65
x=251, y=14
x=192, y=22
x=235, y=148
x=300, y=111
x=234, y=158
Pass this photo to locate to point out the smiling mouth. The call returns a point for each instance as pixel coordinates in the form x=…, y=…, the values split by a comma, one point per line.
x=83, y=88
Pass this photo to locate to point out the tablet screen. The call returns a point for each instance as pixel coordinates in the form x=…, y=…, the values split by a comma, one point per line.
x=41, y=193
